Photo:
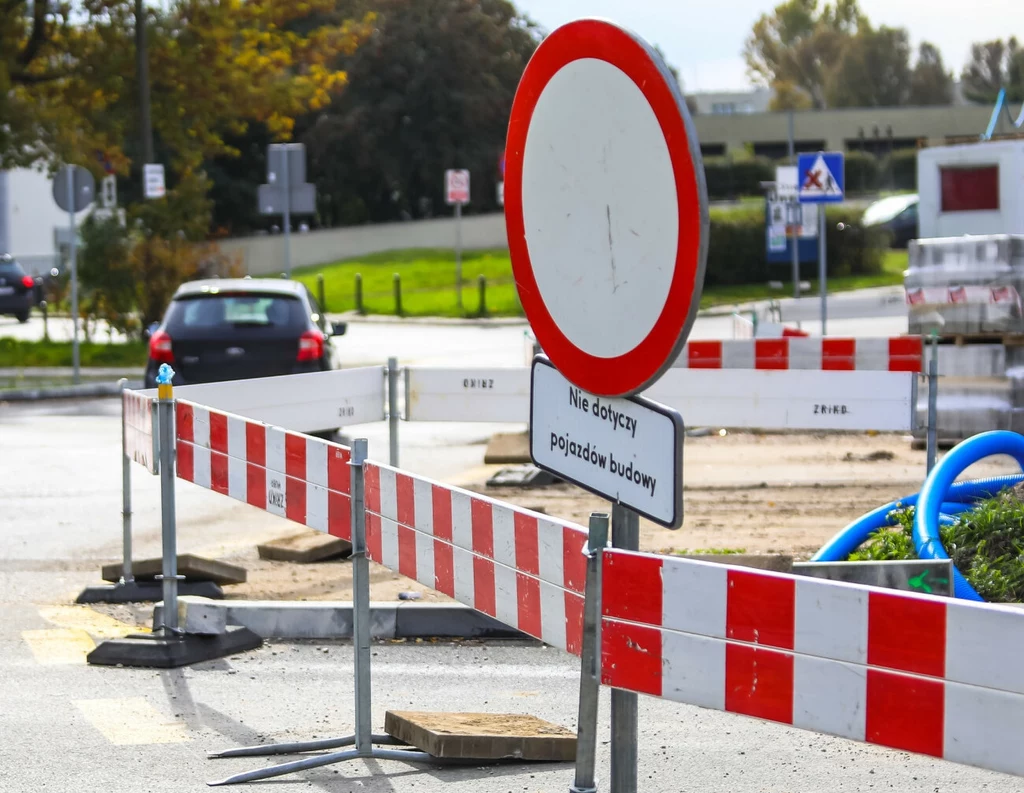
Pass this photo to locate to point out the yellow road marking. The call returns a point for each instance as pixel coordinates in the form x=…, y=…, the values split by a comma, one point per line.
x=131, y=722
x=83, y=618
x=59, y=646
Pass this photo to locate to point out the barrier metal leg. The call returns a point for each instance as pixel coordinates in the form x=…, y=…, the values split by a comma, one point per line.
x=127, y=574
x=363, y=740
x=625, y=535
x=933, y=405
x=590, y=667
x=168, y=519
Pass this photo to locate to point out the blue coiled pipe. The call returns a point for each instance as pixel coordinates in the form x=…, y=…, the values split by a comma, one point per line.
x=939, y=484
x=939, y=501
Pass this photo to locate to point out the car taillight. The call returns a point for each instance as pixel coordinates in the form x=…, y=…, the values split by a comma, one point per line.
x=311, y=346
x=160, y=347
x=28, y=282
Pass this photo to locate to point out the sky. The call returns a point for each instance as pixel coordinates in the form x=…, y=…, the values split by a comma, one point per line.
x=704, y=39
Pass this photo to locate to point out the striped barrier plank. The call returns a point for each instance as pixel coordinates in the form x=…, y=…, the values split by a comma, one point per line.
x=909, y=672
x=900, y=354
x=522, y=568
x=298, y=477
x=140, y=442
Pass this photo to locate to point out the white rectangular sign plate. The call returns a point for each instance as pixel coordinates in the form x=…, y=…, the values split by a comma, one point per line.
x=626, y=450
x=299, y=402
x=491, y=395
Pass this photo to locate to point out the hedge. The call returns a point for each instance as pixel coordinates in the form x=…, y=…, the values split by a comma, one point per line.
x=728, y=178
x=736, y=252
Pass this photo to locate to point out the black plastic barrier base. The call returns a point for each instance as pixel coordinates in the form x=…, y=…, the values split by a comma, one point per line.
x=146, y=592
x=155, y=651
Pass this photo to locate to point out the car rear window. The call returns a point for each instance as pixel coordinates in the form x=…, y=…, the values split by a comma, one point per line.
x=11, y=270
x=224, y=311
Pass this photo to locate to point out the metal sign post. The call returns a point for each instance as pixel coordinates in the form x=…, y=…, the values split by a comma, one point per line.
x=73, y=190
x=822, y=180
x=456, y=191
x=287, y=192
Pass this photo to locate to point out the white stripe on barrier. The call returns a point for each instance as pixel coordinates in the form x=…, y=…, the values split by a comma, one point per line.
x=308, y=402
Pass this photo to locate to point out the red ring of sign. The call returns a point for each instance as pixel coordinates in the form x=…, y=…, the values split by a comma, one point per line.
x=634, y=370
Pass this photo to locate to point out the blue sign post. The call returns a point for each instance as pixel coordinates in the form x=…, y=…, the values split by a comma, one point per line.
x=821, y=179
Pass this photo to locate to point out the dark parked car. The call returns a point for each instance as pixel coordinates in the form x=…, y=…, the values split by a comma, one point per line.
x=896, y=214
x=17, y=289
x=233, y=329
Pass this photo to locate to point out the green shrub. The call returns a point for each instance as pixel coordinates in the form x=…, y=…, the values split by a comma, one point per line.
x=731, y=177
x=736, y=252
x=902, y=164
x=986, y=545
x=861, y=172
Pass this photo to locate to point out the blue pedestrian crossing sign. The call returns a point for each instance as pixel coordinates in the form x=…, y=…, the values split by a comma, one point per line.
x=821, y=177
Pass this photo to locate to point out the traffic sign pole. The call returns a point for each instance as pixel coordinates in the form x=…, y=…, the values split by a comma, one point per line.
x=75, y=376
x=458, y=255
x=287, y=217
x=822, y=267
x=624, y=705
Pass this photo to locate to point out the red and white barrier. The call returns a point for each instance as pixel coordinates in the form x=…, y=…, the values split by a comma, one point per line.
x=522, y=568
x=899, y=354
x=910, y=672
x=138, y=427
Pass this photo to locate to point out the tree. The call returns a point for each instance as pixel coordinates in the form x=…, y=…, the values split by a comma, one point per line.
x=794, y=49
x=873, y=70
x=67, y=75
x=430, y=89
x=994, y=65
x=930, y=83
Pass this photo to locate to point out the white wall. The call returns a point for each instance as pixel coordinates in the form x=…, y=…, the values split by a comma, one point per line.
x=1009, y=219
x=32, y=216
x=264, y=255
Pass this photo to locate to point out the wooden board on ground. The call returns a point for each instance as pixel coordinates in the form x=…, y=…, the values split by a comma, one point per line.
x=508, y=448
x=305, y=548
x=194, y=568
x=482, y=736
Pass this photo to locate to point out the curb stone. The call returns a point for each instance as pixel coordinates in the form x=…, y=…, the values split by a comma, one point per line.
x=81, y=391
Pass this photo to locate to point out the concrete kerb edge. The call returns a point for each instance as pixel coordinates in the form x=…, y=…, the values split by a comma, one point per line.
x=83, y=391
x=333, y=619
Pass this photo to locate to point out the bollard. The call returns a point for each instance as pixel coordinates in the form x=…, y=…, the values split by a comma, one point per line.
x=320, y=294
x=590, y=666
x=359, y=294
x=398, y=295
x=481, y=283
x=393, y=414
x=165, y=403
x=44, y=307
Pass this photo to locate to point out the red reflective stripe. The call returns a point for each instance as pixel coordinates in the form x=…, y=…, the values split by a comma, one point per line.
x=704, y=354
x=219, y=472
x=905, y=712
x=295, y=499
x=339, y=472
x=632, y=588
x=184, y=422
x=631, y=657
x=527, y=553
x=339, y=515
x=574, y=562
x=295, y=455
x=483, y=585
x=218, y=432
x=406, y=500
x=838, y=354
x=444, y=566
x=185, y=461
x=907, y=634
x=483, y=528
x=759, y=683
x=528, y=590
x=406, y=551
x=771, y=354
x=760, y=609
x=256, y=485
x=442, y=504
x=256, y=444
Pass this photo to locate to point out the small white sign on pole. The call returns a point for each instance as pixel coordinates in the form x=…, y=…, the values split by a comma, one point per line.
x=456, y=184
x=628, y=449
x=153, y=180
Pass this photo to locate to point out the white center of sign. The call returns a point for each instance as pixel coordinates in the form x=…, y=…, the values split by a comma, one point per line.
x=603, y=258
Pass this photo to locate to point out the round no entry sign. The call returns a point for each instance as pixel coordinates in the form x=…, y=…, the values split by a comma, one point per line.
x=606, y=207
